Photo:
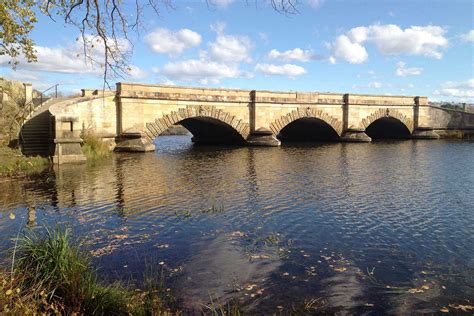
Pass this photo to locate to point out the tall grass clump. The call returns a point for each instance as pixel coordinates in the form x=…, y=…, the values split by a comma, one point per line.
x=13, y=162
x=50, y=275
x=93, y=147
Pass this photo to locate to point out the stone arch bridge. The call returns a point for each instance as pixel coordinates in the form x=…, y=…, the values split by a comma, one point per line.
x=133, y=115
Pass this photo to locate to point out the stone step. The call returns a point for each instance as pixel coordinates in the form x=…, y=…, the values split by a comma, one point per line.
x=35, y=132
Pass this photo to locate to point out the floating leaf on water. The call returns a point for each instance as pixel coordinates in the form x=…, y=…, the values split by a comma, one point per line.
x=464, y=308
x=256, y=257
x=414, y=291
x=341, y=269
x=237, y=233
x=250, y=287
x=12, y=216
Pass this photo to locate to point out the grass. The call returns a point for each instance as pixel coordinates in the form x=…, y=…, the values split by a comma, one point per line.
x=94, y=148
x=52, y=276
x=13, y=162
x=214, y=308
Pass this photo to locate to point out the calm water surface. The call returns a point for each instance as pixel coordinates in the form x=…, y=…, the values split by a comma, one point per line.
x=379, y=227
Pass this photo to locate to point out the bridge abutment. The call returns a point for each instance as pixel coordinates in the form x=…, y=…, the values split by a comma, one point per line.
x=263, y=137
x=355, y=135
x=424, y=133
x=134, y=142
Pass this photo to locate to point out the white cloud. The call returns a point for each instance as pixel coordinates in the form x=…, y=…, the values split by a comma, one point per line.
x=468, y=37
x=390, y=39
x=170, y=42
x=71, y=60
x=289, y=70
x=458, y=89
x=203, y=71
x=344, y=48
x=229, y=48
x=403, y=71
x=293, y=54
x=24, y=75
x=315, y=4
x=136, y=73
x=168, y=82
x=370, y=85
x=221, y=3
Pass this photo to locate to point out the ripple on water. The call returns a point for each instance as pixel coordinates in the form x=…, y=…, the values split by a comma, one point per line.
x=350, y=226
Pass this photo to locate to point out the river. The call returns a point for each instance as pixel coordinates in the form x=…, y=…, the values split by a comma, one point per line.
x=373, y=227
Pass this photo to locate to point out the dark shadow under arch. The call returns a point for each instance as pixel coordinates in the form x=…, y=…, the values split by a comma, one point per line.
x=207, y=130
x=308, y=129
x=387, y=128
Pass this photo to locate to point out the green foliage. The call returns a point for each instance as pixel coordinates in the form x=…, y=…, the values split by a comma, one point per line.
x=93, y=147
x=53, y=276
x=13, y=162
x=17, y=21
x=214, y=308
x=12, y=96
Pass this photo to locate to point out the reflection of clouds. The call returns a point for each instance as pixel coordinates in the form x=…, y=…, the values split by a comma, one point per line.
x=344, y=290
x=423, y=297
x=217, y=268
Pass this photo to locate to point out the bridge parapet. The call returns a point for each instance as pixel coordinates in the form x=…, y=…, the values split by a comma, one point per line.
x=161, y=92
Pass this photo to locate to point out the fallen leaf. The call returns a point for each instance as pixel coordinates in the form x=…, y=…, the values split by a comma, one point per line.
x=260, y=257
x=464, y=308
x=237, y=233
x=342, y=269
x=250, y=287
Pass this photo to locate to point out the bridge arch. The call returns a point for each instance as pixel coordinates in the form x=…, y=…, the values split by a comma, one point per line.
x=388, y=123
x=203, y=113
x=381, y=113
x=307, y=114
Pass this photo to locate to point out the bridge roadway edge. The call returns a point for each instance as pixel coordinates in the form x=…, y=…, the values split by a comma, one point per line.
x=127, y=116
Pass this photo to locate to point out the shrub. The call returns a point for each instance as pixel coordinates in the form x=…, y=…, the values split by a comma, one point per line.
x=93, y=147
x=14, y=162
x=51, y=275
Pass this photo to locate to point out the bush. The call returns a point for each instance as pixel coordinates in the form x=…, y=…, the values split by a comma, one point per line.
x=93, y=147
x=52, y=276
x=13, y=162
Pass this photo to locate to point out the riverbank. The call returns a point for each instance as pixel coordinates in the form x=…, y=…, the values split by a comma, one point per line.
x=51, y=275
x=13, y=163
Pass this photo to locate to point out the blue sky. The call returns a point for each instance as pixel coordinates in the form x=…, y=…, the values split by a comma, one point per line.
x=379, y=47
